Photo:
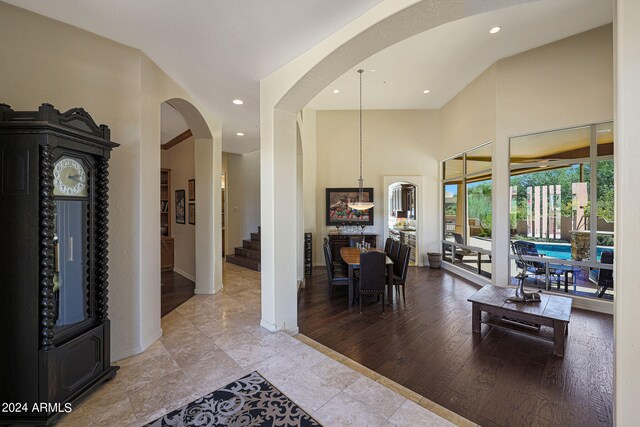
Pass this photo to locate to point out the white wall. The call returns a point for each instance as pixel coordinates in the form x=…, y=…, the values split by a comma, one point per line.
x=243, y=192
x=181, y=160
x=47, y=61
x=395, y=142
x=469, y=118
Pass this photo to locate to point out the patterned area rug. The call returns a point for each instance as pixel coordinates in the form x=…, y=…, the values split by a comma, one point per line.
x=249, y=401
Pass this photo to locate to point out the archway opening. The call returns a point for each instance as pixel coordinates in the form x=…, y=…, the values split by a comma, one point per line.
x=402, y=211
x=187, y=195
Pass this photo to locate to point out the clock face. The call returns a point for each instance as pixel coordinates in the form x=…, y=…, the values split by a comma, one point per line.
x=69, y=178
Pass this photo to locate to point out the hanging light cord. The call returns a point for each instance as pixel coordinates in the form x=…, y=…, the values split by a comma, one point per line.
x=361, y=192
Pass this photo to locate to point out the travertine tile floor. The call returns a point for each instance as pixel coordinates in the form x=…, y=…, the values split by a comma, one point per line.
x=212, y=340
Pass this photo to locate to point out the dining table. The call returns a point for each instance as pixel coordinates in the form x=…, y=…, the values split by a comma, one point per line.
x=351, y=256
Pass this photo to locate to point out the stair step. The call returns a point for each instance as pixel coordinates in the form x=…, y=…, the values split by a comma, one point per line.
x=251, y=244
x=255, y=237
x=248, y=253
x=252, y=264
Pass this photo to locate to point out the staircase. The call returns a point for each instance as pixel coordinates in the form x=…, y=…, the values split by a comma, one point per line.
x=249, y=254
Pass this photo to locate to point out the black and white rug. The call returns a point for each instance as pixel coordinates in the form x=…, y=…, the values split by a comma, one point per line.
x=249, y=401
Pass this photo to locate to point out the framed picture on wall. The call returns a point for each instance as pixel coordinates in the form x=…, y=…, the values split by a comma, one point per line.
x=339, y=212
x=192, y=189
x=192, y=213
x=180, y=207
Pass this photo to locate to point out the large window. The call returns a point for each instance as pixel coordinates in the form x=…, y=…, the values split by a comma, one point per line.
x=467, y=209
x=561, y=209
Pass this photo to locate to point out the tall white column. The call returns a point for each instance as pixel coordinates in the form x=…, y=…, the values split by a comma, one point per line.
x=627, y=221
x=278, y=177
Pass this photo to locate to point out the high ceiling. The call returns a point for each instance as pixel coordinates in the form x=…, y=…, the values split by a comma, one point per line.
x=447, y=58
x=220, y=50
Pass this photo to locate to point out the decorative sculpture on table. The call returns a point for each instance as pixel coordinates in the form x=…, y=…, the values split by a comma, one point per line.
x=521, y=295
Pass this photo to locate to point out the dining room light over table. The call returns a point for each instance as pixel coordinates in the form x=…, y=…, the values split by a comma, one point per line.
x=360, y=204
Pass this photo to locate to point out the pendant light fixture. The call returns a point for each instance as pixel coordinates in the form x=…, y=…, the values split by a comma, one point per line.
x=360, y=204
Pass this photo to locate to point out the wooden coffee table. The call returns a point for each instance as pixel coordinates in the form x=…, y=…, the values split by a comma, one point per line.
x=525, y=318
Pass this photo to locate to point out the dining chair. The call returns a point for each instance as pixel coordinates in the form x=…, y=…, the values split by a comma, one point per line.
x=372, y=278
x=400, y=270
x=340, y=266
x=354, y=240
x=395, y=248
x=387, y=246
x=334, y=277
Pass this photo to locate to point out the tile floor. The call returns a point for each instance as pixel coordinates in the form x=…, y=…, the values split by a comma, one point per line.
x=212, y=340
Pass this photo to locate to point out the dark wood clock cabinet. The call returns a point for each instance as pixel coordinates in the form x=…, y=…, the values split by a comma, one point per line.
x=54, y=325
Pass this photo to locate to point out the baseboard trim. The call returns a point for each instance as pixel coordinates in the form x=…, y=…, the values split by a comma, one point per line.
x=182, y=273
x=268, y=326
x=274, y=328
x=138, y=349
x=478, y=280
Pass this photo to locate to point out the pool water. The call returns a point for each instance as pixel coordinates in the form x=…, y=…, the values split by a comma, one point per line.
x=562, y=250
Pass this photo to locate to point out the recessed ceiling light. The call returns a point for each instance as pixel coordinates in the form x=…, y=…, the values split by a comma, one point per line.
x=240, y=134
x=336, y=91
x=372, y=71
x=238, y=101
x=426, y=91
x=495, y=30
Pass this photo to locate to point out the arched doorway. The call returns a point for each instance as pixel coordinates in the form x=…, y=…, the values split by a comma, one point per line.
x=286, y=91
x=205, y=217
x=404, y=214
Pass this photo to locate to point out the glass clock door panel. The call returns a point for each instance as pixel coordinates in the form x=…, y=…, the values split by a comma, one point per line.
x=70, y=280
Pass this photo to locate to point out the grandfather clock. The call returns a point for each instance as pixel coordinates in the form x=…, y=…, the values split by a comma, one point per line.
x=54, y=327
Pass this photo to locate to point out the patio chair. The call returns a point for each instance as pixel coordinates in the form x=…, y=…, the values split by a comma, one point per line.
x=462, y=252
x=605, y=277
x=521, y=247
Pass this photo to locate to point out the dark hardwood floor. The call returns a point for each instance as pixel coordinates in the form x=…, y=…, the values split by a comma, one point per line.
x=174, y=290
x=498, y=378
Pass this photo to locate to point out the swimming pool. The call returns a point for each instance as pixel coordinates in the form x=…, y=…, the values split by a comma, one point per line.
x=563, y=250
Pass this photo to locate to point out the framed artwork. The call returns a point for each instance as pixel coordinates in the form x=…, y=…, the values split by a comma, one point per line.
x=339, y=212
x=192, y=213
x=192, y=189
x=180, y=207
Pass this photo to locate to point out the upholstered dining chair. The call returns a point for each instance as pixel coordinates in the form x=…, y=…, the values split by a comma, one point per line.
x=339, y=266
x=395, y=249
x=372, y=278
x=400, y=269
x=354, y=240
x=387, y=246
x=334, y=277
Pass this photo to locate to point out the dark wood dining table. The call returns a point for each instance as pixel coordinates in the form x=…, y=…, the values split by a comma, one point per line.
x=351, y=256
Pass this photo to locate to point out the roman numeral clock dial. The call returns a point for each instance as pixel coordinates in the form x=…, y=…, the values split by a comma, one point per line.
x=69, y=178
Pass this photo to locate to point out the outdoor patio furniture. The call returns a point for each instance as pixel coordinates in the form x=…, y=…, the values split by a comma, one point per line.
x=462, y=252
x=605, y=277
x=538, y=268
